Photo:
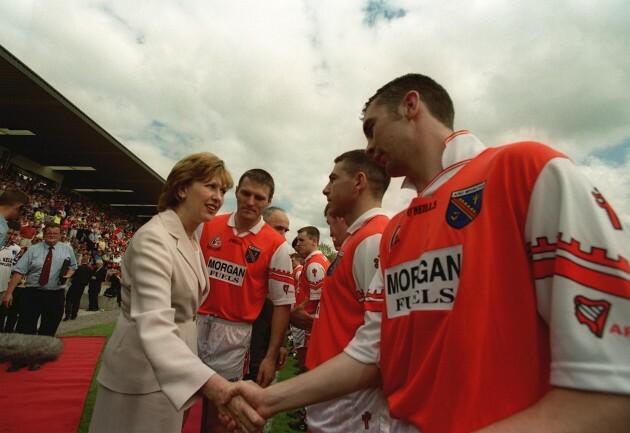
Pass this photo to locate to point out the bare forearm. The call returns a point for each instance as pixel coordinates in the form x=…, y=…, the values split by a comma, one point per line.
x=563, y=410
x=339, y=376
x=279, y=324
x=15, y=279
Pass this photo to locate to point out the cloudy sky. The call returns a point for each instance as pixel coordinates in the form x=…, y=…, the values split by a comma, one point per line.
x=280, y=85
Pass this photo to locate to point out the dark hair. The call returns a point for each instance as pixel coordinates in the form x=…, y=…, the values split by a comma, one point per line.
x=311, y=232
x=431, y=93
x=13, y=196
x=199, y=167
x=260, y=176
x=356, y=161
x=14, y=225
x=294, y=243
x=52, y=226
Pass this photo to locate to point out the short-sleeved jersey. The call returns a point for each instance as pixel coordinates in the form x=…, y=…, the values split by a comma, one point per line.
x=311, y=280
x=296, y=279
x=343, y=302
x=9, y=256
x=244, y=268
x=506, y=271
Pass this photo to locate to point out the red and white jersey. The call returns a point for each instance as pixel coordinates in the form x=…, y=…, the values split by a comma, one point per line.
x=311, y=280
x=344, y=303
x=244, y=268
x=506, y=276
x=9, y=256
x=296, y=279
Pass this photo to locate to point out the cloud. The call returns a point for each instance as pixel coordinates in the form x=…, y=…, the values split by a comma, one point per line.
x=281, y=85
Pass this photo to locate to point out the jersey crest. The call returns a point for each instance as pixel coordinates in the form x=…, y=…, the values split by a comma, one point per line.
x=252, y=254
x=592, y=314
x=464, y=206
x=334, y=264
x=215, y=244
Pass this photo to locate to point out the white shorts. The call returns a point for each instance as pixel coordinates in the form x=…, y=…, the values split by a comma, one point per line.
x=361, y=411
x=399, y=426
x=224, y=346
x=298, y=337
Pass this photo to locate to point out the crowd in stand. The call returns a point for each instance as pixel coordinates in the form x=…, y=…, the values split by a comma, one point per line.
x=96, y=233
x=92, y=229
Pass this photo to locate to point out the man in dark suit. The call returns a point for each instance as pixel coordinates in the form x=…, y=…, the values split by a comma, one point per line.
x=80, y=279
x=98, y=276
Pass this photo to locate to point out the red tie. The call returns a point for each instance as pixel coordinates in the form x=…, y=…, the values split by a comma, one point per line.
x=43, y=277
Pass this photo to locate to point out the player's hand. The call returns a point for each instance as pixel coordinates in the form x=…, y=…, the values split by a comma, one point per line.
x=234, y=411
x=283, y=358
x=300, y=318
x=7, y=300
x=266, y=371
x=255, y=396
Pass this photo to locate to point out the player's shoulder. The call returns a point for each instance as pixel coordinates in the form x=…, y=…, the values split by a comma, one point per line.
x=271, y=235
x=527, y=150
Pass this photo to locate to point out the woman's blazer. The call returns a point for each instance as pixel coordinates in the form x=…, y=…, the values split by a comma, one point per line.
x=154, y=345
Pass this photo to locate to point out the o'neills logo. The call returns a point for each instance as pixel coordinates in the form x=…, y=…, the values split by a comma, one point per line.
x=226, y=271
x=428, y=283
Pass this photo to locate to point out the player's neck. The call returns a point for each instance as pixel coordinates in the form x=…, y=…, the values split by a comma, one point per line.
x=360, y=207
x=242, y=225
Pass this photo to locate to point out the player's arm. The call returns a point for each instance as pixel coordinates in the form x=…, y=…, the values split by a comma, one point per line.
x=300, y=318
x=336, y=377
x=564, y=410
x=19, y=270
x=279, y=324
x=7, y=299
x=589, y=364
x=282, y=294
x=315, y=273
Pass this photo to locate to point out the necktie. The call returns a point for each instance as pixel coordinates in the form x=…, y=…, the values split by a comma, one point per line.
x=43, y=277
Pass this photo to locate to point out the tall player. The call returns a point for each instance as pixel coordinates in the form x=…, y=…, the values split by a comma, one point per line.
x=354, y=192
x=506, y=284
x=247, y=261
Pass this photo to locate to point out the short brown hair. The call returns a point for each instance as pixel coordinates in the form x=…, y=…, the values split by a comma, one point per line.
x=52, y=226
x=10, y=197
x=311, y=232
x=356, y=161
x=431, y=93
x=261, y=177
x=199, y=167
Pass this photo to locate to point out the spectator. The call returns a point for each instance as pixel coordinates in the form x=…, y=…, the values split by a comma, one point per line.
x=99, y=273
x=80, y=279
x=47, y=266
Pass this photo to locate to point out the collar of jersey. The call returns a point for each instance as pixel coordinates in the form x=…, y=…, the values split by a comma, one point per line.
x=254, y=230
x=461, y=147
x=365, y=217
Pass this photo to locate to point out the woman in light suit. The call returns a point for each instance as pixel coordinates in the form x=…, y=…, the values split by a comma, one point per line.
x=150, y=373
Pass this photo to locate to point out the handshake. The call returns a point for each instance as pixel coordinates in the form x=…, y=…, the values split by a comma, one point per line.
x=242, y=405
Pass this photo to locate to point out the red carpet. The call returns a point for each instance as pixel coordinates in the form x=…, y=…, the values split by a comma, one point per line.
x=193, y=423
x=50, y=400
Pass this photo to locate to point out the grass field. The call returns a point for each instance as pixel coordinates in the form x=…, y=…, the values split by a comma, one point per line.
x=277, y=424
